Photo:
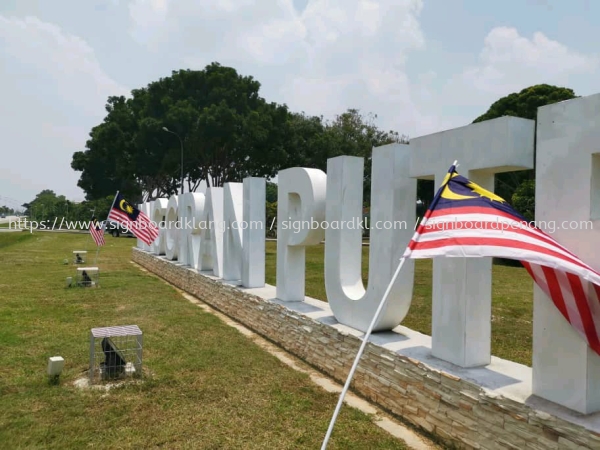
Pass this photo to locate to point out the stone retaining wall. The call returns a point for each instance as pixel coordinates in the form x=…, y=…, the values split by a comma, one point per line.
x=458, y=411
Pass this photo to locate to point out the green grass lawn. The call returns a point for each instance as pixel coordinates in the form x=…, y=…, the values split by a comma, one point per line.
x=512, y=300
x=207, y=386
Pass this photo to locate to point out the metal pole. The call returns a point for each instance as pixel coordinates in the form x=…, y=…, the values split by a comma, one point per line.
x=360, y=352
x=104, y=225
x=90, y=236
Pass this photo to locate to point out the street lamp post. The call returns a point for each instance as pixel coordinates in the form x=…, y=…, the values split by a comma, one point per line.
x=181, y=142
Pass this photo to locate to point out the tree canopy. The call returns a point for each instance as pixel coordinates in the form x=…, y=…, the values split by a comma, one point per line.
x=48, y=206
x=227, y=130
x=525, y=104
x=7, y=210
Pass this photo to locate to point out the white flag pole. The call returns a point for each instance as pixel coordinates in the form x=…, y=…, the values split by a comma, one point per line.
x=104, y=225
x=360, y=352
x=90, y=236
x=365, y=340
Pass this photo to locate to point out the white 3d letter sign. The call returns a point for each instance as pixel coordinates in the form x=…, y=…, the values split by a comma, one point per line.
x=233, y=198
x=159, y=211
x=300, y=213
x=565, y=370
x=191, y=209
x=253, y=234
x=211, y=232
x=392, y=221
x=172, y=228
x=223, y=231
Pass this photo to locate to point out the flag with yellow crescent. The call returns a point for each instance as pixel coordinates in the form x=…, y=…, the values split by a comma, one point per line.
x=133, y=220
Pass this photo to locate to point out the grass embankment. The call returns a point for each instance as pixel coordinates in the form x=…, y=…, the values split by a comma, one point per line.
x=207, y=387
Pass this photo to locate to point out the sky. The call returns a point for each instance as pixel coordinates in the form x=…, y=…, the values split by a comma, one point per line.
x=422, y=66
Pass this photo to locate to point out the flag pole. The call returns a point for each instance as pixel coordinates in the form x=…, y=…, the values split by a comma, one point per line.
x=97, y=251
x=87, y=240
x=365, y=339
x=104, y=225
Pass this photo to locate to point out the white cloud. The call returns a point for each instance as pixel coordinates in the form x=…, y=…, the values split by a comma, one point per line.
x=509, y=62
x=53, y=92
x=333, y=55
x=337, y=54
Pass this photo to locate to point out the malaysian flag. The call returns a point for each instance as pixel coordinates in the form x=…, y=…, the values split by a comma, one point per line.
x=97, y=232
x=133, y=219
x=465, y=220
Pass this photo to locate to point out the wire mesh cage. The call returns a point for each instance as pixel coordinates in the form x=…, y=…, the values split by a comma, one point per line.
x=79, y=256
x=87, y=277
x=115, y=353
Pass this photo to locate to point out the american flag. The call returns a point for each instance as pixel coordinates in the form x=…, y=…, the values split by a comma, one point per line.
x=133, y=219
x=97, y=232
x=465, y=220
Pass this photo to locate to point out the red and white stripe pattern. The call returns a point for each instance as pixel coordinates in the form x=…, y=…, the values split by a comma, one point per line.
x=572, y=285
x=97, y=232
x=142, y=228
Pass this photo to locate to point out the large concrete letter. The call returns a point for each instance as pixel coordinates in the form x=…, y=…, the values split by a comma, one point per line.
x=392, y=220
x=211, y=225
x=253, y=234
x=159, y=211
x=191, y=209
x=172, y=229
x=300, y=213
x=462, y=287
x=233, y=205
x=567, y=197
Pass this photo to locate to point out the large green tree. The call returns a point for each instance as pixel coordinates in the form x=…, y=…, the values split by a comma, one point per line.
x=227, y=131
x=48, y=206
x=313, y=140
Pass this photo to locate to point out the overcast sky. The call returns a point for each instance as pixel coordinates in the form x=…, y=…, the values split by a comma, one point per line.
x=421, y=65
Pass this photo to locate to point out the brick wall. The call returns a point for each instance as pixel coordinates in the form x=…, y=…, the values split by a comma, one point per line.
x=458, y=411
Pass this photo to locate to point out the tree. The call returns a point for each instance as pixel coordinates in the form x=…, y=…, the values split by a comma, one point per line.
x=271, y=219
x=523, y=199
x=523, y=104
x=313, y=141
x=106, y=165
x=271, y=192
x=45, y=206
x=228, y=132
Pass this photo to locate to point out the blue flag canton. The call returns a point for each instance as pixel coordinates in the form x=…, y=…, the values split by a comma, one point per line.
x=125, y=207
x=460, y=192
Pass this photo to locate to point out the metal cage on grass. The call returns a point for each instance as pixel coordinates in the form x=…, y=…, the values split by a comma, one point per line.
x=79, y=256
x=115, y=353
x=87, y=277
